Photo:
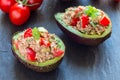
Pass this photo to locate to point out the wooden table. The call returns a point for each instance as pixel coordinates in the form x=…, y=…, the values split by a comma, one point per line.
x=80, y=62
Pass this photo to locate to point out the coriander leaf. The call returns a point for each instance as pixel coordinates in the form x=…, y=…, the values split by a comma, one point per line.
x=91, y=11
x=36, y=33
x=93, y=24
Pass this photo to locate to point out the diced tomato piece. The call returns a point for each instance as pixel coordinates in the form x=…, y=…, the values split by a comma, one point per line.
x=74, y=21
x=16, y=44
x=44, y=42
x=31, y=54
x=104, y=21
x=78, y=10
x=84, y=20
x=58, y=52
x=28, y=33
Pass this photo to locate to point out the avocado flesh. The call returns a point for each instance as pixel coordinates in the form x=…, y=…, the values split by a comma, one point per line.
x=43, y=64
x=81, y=38
x=58, y=17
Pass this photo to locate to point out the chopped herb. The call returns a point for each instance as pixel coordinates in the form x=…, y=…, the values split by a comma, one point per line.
x=93, y=24
x=91, y=11
x=28, y=40
x=78, y=14
x=36, y=33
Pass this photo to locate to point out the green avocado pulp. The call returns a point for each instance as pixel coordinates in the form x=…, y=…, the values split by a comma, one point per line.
x=58, y=17
x=47, y=63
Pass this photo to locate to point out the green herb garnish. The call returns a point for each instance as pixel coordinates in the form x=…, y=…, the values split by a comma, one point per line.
x=91, y=11
x=93, y=24
x=78, y=14
x=36, y=33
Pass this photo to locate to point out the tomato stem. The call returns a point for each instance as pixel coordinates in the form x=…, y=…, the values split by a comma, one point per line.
x=25, y=2
x=33, y=4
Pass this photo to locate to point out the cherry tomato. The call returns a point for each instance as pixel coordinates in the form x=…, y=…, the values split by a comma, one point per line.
x=28, y=33
x=104, y=21
x=5, y=5
x=31, y=54
x=44, y=42
x=84, y=20
x=58, y=52
x=19, y=14
x=74, y=21
x=35, y=4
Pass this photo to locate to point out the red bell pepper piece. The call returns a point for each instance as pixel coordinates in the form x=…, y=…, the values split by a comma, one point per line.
x=44, y=42
x=28, y=33
x=31, y=54
x=104, y=21
x=58, y=52
x=74, y=21
x=84, y=20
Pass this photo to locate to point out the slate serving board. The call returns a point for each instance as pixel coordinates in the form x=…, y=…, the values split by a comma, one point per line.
x=80, y=62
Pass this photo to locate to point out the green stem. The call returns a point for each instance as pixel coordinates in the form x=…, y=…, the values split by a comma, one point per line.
x=93, y=24
x=24, y=2
x=17, y=0
x=32, y=4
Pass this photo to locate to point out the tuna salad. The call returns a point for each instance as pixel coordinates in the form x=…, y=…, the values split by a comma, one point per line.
x=88, y=20
x=38, y=45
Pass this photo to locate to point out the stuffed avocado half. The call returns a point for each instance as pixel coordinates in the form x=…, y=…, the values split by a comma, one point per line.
x=38, y=49
x=85, y=24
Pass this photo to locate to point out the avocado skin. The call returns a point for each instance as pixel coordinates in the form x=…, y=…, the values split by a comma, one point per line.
x=38, y=68
x=82, y=40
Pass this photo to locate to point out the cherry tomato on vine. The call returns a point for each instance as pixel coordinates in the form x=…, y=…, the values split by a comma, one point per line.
x=19, y=14
x=5, y=5
x=35, y=4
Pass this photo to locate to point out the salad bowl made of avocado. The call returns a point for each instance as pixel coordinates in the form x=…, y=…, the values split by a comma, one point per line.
x=38, y=49
x=85, y=24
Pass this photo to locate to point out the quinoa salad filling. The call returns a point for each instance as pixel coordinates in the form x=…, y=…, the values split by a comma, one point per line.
x=88, y=20
x=38, y=45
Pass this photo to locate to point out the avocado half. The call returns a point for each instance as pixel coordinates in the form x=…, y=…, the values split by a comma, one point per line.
x=37, y=66
x=75, y=35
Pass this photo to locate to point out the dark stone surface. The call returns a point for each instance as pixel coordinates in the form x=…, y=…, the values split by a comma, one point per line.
x=80, y=62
